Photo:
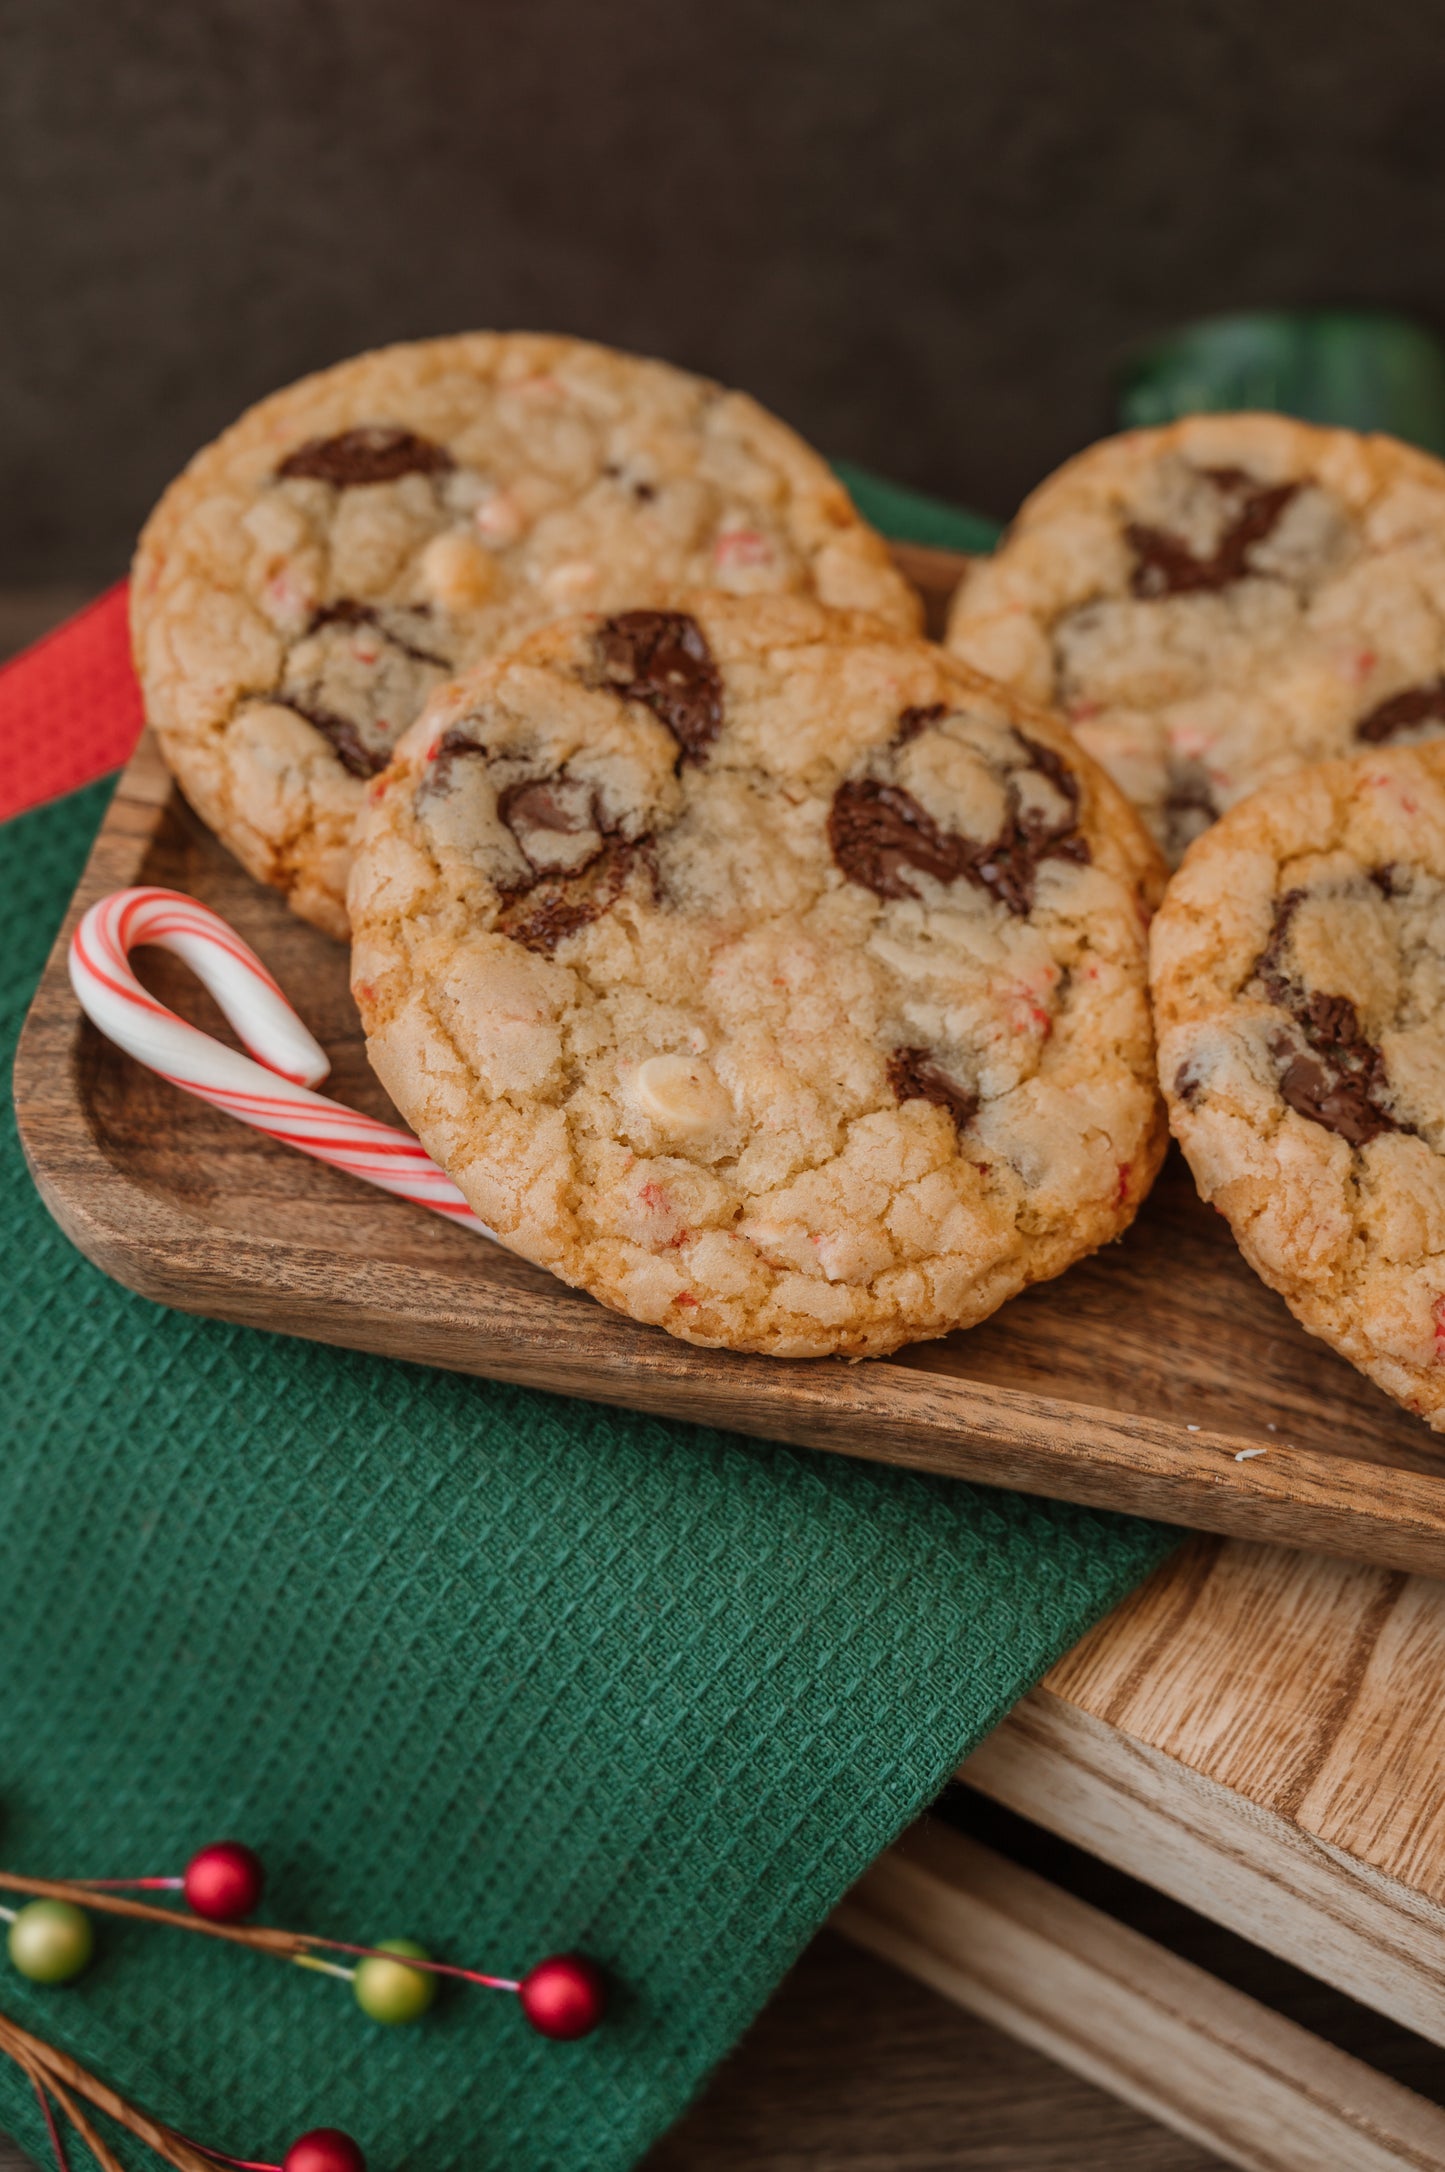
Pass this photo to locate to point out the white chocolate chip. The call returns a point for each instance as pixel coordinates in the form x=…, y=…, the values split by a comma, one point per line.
x=457, y=570
x=682, y=1094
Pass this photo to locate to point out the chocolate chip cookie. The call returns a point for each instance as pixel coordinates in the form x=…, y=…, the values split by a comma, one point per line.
x=1214, y=603
x=1299, y=987
x=357, y=539
x=766, y=973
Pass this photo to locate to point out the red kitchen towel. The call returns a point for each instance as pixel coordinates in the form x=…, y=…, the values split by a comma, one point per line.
x=70, y=708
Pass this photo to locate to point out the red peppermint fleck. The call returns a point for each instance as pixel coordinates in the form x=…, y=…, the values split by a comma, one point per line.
x=742, y=547
x=1439, y=1316
x=1125, y=1170
x=686, y=1298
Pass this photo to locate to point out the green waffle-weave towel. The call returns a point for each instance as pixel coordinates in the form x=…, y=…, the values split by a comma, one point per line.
x=494, y=1670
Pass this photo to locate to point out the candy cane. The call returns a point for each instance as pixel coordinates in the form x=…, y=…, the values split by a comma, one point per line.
x=272, y=1094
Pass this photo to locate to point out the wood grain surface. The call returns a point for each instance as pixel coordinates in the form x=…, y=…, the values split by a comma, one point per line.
x=1259, y=1733
x=1160, y=1376
x=1112, y=2005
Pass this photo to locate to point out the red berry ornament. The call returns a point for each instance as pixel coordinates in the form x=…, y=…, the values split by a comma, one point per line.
x=324, y=2149
x=564, y=1996
x=224, y=1883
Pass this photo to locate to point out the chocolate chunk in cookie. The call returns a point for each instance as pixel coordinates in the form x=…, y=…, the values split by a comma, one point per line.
x=1403, y=713
x=371, y=453
x=346, y=611
x=344, y=738
x=358, y=675
x=1189, y=806
x=539, y=915
x=1165, y=565
x=916, y=718
x=662, y=658
x=1340, y=1097
x=556, y=821
x=916, y=1075
x=880, y=835
x=1009, y=866
x=1339, y=1080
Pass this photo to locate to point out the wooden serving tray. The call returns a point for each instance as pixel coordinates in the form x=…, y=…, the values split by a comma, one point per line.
x=1134, y=1382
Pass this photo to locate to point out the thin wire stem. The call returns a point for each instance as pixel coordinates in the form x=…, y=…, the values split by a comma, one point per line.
x=100, y=2150
x=430, y=1968
x=62, y=2162
x=131, y=1885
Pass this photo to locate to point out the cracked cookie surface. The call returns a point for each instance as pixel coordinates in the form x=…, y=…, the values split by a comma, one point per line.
x=363, y=535
x=766, y=973
x=1298, y=970
x=1212, y=604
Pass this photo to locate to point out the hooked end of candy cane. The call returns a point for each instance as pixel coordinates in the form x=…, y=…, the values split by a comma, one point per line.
x=308, y=1072
x=109, y=992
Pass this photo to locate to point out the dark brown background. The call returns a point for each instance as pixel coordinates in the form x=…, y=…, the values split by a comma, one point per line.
x=924, y=230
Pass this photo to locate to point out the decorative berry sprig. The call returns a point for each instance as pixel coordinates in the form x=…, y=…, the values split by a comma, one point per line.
x=563, y=1996
x=63, y=2084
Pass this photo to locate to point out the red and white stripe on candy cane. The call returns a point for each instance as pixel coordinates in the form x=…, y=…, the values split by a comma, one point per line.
x=271, y=1093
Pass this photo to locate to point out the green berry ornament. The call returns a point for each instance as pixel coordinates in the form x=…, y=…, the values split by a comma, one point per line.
x=51, y=1941
x=389, y=1991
